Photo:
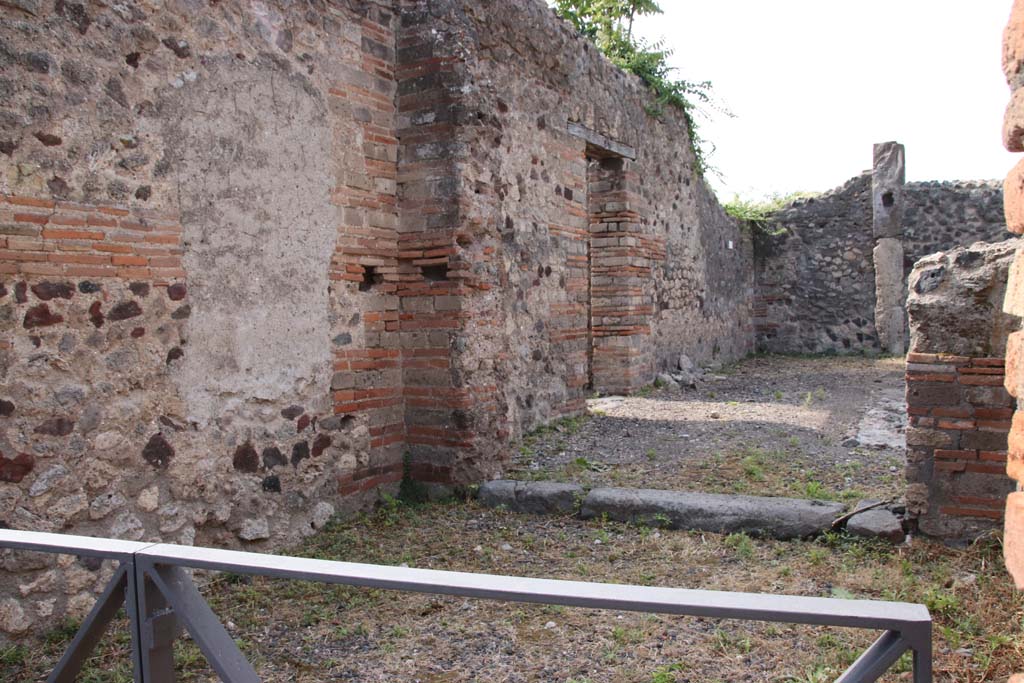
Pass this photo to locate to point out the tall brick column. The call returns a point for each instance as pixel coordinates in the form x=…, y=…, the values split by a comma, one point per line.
x=1013, y=199
x=887, y=180
x=1013, y=139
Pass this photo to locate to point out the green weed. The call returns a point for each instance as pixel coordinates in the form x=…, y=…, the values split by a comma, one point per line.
x=741, y=544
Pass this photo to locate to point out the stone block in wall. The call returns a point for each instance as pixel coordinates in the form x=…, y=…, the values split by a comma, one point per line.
x=1014, y=381
x=989, y=396
x=888, y=177
x=983, y=440
x=925, y=393
x=1013, y=48
x=955, y=301
x=932, y=438
x=889, y=294
x=1015, y=449
x=1013, y=303
x=1013, y=123
x=1013, y=537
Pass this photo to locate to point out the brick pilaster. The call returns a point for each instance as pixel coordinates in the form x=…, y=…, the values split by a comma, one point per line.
x=959, y=418
x=622, y=256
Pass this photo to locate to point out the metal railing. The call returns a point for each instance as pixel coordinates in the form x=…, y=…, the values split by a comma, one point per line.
x=160, y=599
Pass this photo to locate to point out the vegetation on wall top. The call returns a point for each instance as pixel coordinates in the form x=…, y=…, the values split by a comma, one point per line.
x=758, y=214
x=609, y=24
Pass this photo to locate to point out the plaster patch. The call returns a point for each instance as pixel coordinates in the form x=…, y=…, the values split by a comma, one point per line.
x=251, y=151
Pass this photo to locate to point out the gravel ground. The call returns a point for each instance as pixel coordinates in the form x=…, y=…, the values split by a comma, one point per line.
x=761, y=441
x=807, y=427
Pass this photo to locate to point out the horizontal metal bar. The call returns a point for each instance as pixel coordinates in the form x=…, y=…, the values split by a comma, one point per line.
x=84, y=546
x=720, y=604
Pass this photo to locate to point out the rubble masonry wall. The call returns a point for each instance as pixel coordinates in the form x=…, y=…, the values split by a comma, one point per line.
x=814, y=269
x=258, y=260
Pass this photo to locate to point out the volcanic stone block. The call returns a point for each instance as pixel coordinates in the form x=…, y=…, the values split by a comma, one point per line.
x=1013, y=198
x=1013, y=549
x=889, y=295
x=1013, y=304
x=782, y=518
x=877, y=523
x=962, y=313
x=536, y=497
x=984, y=440
x=887, y=179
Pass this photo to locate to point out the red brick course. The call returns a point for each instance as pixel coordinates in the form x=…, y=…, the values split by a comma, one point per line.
x=974, y=435
x=77, y=240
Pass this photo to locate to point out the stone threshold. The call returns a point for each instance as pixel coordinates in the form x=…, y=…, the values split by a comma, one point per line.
x=773, y=517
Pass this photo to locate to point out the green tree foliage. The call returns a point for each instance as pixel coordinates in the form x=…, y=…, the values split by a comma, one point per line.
x=609, y=24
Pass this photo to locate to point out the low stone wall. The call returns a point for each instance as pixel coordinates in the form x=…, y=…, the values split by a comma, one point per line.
x=938, y=215
x=958, y=410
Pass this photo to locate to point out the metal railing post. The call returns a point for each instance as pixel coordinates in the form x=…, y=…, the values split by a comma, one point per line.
x=194, y=613
x=921, y=640
x=158, y=628
x=131, y=608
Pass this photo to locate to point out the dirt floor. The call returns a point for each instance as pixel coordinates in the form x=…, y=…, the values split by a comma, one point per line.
x=829, y=428
x=780, y=429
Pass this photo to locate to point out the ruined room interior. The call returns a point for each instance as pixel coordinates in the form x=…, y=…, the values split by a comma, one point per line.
x=428, y=284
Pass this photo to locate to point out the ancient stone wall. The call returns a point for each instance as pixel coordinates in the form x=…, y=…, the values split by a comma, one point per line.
x=704, y=285
x=940, y=215
x=815, y=279
x=958, y=411
x=259, y=259
x=814, y=273
x=174, y=184
x=662, y=279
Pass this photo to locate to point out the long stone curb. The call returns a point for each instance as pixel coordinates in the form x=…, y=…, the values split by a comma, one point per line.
x=782, y=518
